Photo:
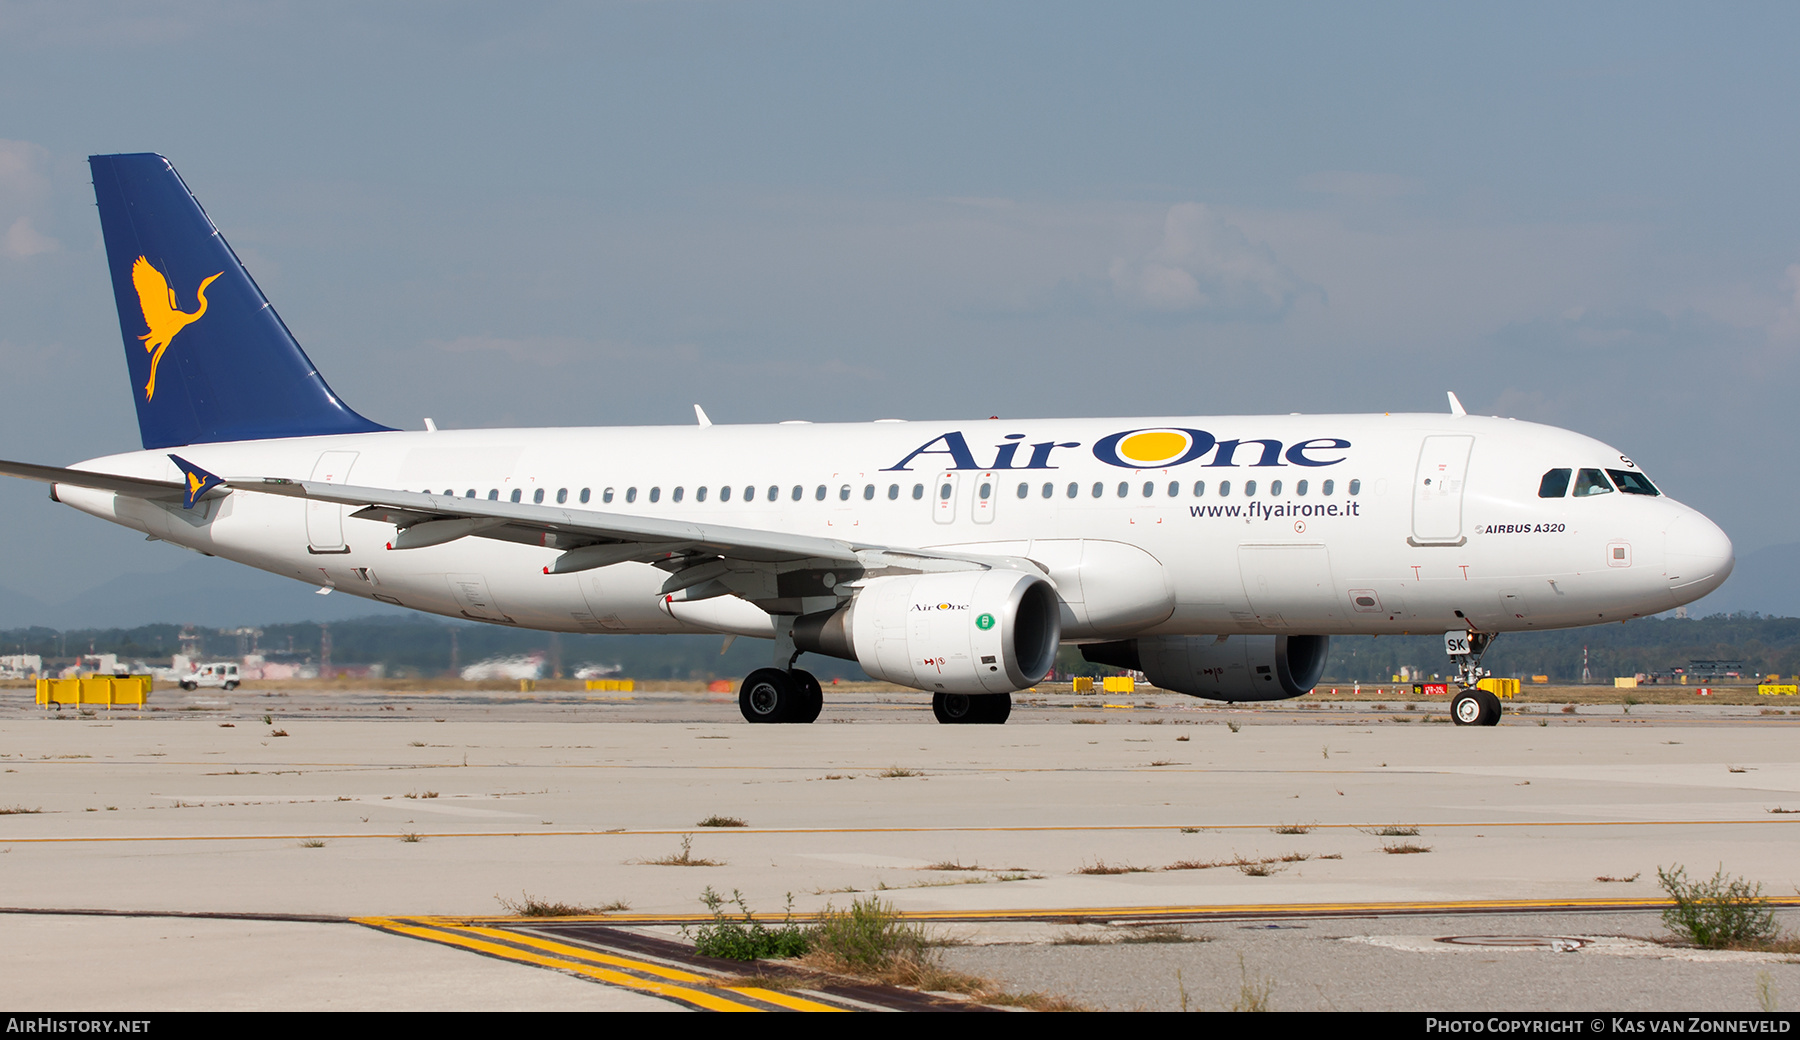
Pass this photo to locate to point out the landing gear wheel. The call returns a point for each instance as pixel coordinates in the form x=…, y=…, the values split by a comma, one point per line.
x=1475, y=708
x=812, y=697
x=971, y=709
x=769, y=695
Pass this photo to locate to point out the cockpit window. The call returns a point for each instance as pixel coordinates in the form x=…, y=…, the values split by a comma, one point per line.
x=1591, y=482
x=1632, y=483
x=1555, y=484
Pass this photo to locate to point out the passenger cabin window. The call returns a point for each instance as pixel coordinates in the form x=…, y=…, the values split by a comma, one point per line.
x=1099, y=489
x=1355, y=487
x=868, y=492
x=1174, y=489
x=893, y=492
x=844, y=493
x=1300, y=488
x=1274, y=488
x=775, y=493
x=1632, y=483
x=798, y=491
x=918, y=492
x=1149, y=488
x=944, y=493
x=819, y=493
x=1591, y=482
x=1024, y=490
x=518, y=493
x=656, y=494
x=1555, y=483
x=1049, y=490
x=1199, y=488
x=725, y=493
x=470, y=493
x=1124, y=489
x=1074, y=489
x=1224, y=489
x=493, y=494
x=1249, y=489
x=1328, y=487
x=631, y=494
x=538, y=496
x=562, y=496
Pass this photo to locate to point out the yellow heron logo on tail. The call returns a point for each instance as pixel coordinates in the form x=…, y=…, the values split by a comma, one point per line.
x=162, y=315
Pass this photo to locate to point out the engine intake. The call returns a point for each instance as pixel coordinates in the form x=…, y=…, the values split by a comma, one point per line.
x=963, y=632
x=1236, y=668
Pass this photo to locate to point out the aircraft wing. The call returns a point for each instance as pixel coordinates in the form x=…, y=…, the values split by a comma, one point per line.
x=704, y=560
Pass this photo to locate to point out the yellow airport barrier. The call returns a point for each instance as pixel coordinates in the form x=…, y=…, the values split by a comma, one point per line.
x=1541, y=680
x=527, y=685
x=1118, y=684
x=1625, y=682
x=1778, y=689
x=1084, y=684
x=103, y=690
x=612, y=685
x=1507, y=688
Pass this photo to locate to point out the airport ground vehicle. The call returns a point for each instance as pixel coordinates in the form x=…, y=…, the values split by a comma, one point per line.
x=216, y=674
x=1217, y=555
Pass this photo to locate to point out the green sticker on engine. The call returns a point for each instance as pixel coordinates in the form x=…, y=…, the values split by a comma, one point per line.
x=985, y=622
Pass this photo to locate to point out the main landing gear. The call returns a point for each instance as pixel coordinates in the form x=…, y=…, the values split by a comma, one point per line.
x=1471, y=706
x=971, y=709
x=775, y=695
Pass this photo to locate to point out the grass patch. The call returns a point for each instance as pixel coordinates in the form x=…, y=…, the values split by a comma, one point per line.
x=1625, y=880
x=684, y=858
x=528, y=905
x=896, y=771
x=946, y=864
x=1149, y=934
x=1165, y=762
x=1293, y=828
x=18, y=810
x=1233, y=726
x=1257, y=868
x=716, y=820
x=411, y=837
x=1404, y=848
x=1394, y=831
x=1252, y=996
x=278, y=733
x=1100, y=866
x=313, y=843
x=746, y=938
x=1719, y=912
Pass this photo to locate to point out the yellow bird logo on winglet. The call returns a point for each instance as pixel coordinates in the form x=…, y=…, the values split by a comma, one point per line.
x=162, y=315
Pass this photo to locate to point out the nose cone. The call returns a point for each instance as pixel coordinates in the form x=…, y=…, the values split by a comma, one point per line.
x=1699, y=557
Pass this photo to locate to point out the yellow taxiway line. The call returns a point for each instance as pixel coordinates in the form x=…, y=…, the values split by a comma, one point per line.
x=660, y=980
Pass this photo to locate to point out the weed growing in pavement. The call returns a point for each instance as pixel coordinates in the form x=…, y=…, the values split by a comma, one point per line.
x=313, y=843
x=1100, y=866
x=1404, y=848
x=531, y=906
x=1252, y=996
x=1609, y=877
x=1718, y=912
x=896, y=771
x=1393, y=831
x=716, y=820
x=1233, y=726
x=684, y=858
x=18, y=810
x=411, y=837
x=1294, y=828
x=746, y=939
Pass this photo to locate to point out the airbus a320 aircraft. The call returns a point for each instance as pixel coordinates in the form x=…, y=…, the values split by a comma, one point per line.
x=1218, y=555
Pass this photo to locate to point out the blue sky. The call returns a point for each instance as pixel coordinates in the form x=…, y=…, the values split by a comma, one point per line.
x=600, y=213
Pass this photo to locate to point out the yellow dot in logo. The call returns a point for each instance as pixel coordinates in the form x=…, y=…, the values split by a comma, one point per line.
x=1153, y=446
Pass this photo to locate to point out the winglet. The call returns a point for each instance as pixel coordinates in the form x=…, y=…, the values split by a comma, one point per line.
x=700, y=416
x=198, y=482
x=1456, y=407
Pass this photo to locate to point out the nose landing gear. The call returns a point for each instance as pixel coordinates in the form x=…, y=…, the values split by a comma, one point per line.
x=1471, y=706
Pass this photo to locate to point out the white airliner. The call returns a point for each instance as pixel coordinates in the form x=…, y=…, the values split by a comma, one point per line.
x=1216, y=554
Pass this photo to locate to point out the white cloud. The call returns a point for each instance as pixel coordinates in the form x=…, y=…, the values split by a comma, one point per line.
x=23, y=240
x=24, y=194
x=1206, y=266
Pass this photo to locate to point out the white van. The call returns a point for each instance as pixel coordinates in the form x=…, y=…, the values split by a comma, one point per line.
x=222, y=674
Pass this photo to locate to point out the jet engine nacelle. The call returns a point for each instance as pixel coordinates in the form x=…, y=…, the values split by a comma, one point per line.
x=1233, y=668
x=963, y=632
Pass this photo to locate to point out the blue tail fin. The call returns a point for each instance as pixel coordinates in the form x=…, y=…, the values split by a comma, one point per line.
x=210, y=359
